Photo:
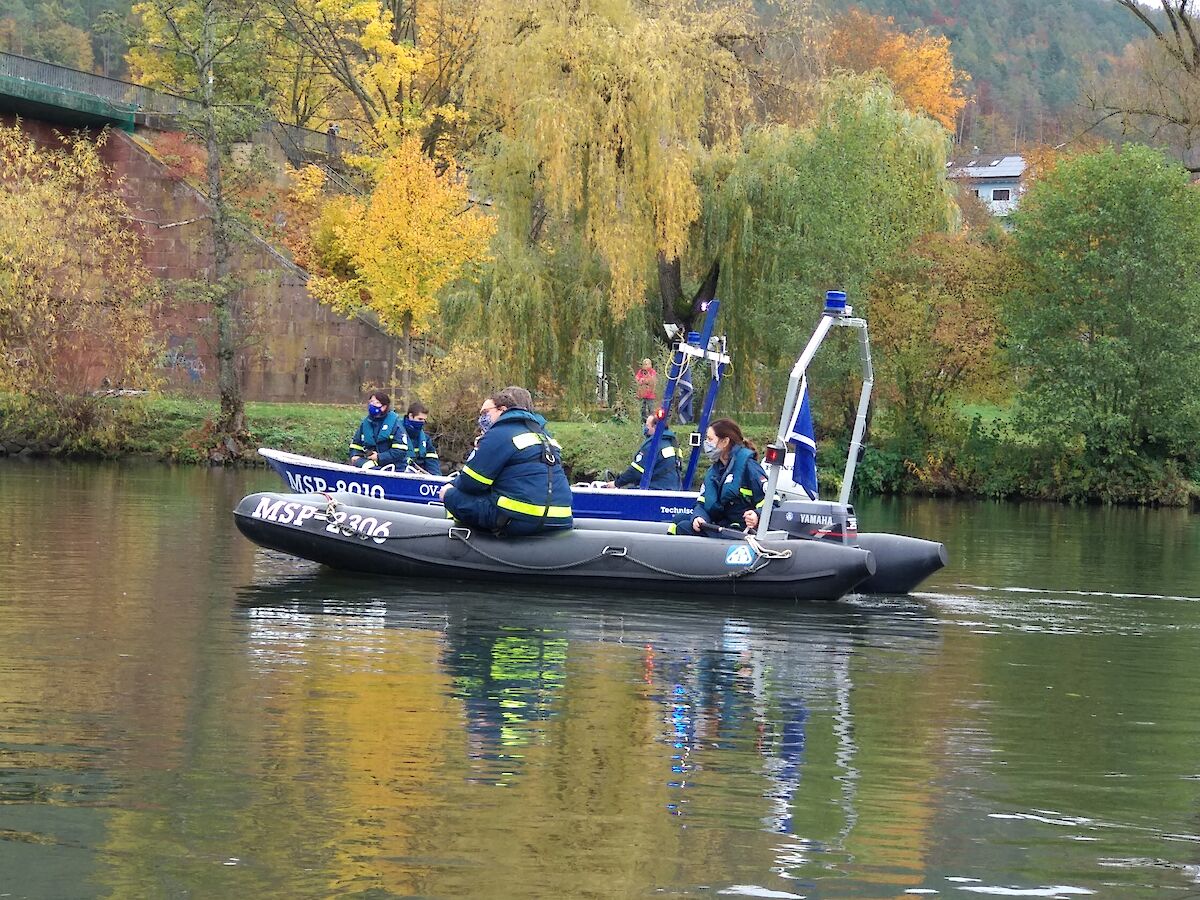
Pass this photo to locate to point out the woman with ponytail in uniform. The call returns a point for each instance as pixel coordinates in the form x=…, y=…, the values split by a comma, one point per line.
x=733, y=488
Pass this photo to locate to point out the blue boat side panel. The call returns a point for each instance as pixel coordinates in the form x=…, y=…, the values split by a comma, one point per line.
x=305, y=475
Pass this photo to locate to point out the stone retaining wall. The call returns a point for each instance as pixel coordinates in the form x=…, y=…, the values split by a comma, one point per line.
x=297, y=350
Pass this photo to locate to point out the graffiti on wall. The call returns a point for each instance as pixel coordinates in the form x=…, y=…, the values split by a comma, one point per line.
x=181, y=355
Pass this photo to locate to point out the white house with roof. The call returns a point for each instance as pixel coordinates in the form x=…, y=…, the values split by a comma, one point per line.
x=996, y=180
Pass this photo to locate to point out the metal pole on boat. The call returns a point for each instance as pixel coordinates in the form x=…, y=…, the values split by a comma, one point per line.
x=710, y=399
x=864, y=402
x=677, y=361
x=835, y=308
x=710, y=396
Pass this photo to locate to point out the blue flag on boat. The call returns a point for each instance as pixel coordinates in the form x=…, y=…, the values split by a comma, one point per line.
x=804, y=445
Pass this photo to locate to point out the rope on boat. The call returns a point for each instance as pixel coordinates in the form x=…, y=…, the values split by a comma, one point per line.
x=623, y=553
x=763, y=557
x=363, y=534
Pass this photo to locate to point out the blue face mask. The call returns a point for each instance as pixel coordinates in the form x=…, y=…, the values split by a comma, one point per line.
x=712, y=451
x=374, y=410
x=485, y=422
x=647, y=431
x=413, y=425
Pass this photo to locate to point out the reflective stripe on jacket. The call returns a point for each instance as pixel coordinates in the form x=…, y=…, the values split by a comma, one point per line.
x=508, y=465
x=665, y=475
x=732, y=488
x=421, y=451
x=384, y=436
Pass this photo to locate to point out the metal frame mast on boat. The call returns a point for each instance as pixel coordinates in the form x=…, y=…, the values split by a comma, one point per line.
x=836, y=313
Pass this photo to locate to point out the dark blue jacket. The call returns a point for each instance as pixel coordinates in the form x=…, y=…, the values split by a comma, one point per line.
x=384, y=436
x=731, y=488
x=421, y=451
x=509, y=470
x=665, y=475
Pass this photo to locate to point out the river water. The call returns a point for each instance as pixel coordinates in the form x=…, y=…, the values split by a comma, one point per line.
x=184, y=715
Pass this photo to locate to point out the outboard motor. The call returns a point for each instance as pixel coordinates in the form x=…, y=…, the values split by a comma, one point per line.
x=821, y=520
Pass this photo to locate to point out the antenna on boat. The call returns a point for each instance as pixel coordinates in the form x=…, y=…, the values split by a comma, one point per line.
x=836, y=312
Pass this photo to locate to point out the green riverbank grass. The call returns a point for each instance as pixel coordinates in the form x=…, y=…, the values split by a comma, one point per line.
x=988, y=461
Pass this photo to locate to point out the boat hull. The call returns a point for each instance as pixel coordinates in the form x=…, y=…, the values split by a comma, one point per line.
x=380, y=540
x=903, y=562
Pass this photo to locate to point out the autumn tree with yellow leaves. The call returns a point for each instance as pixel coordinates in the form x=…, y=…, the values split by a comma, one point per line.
x=386, y=71
x=391, y=253
x=919, y=65
x=71, y=276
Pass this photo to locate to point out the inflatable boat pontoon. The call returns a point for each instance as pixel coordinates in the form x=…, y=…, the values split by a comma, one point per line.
x=385, y=537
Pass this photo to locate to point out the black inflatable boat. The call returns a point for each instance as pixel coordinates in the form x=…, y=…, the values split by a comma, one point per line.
x=348, y=531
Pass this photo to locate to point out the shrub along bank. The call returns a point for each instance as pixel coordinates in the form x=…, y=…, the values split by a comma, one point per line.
x=984, y=457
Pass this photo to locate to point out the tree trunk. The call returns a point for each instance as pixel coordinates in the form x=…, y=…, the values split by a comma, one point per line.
x=406, y=374
x=231, y=424
x=670, y=288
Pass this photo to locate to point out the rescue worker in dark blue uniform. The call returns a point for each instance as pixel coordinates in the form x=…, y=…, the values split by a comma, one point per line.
x=421, y=452
x=733, y=488
x=379, y=440
x=513, y=483
x=666, y=474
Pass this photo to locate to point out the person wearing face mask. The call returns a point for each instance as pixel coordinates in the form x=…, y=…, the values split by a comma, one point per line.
x=513, y=483
x=422, y=454
x=380, y=439
x=733, y=488
x=666, y=475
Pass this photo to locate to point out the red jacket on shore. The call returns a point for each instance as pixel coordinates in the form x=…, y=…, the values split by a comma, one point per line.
x=647, y=381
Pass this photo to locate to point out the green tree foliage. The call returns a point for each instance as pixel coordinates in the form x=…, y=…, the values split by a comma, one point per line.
x=935, y=327
x=1105, y=322
x=803, y=210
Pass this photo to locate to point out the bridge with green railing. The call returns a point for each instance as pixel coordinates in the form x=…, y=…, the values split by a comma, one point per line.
x=51, y=93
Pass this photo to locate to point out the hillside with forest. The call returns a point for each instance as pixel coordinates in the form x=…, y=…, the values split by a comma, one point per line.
x=1025, y=57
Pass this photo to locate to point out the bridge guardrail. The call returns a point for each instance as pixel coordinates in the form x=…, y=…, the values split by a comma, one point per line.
x=297, y=142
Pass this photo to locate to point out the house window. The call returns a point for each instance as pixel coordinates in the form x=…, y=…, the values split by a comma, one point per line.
x=1001, y=194
x=975, y=192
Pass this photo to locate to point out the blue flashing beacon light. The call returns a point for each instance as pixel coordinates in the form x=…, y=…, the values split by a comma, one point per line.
x=835, y=303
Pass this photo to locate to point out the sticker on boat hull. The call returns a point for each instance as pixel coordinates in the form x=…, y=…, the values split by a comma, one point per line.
x=739, y=555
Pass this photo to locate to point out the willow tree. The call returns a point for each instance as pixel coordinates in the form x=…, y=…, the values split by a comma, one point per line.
x=799, y=211
x=601, y=108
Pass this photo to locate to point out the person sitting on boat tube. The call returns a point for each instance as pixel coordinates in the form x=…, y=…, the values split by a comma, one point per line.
x=379, y=440
x=666, y=474
x=733, y=488
x=513, y=483
x=422, y=454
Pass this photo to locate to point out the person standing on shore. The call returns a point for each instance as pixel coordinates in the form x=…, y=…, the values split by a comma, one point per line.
x=647, y=386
